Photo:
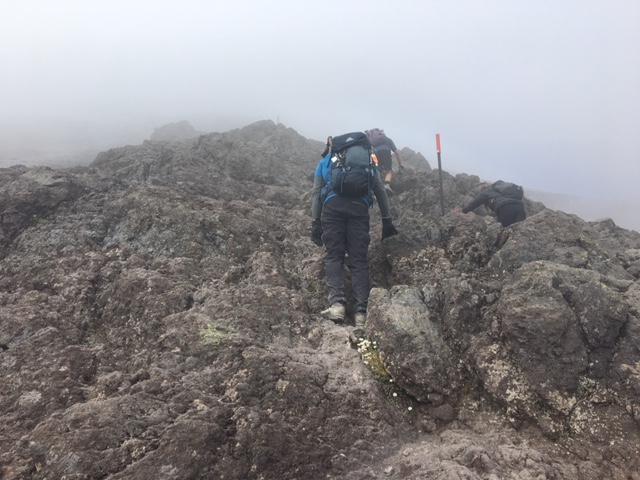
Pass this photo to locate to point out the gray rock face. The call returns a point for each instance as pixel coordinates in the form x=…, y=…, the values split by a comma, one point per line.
x=174, y=132
x=159, y=319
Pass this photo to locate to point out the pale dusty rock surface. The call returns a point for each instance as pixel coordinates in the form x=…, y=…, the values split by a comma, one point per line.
x=159, y=319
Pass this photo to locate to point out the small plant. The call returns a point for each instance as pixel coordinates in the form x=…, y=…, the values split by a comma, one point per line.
x=36, y=218
x=368, y=351
x=312, y=288
x=370, y=355
x=587, y=387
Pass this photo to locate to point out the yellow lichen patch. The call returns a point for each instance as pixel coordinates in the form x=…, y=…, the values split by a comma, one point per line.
x=631, y=369
x=211, y=335
x=281, y=385
x=199, y=405
x=561, y=403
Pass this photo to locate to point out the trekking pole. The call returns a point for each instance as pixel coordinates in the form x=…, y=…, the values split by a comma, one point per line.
x=440, y=172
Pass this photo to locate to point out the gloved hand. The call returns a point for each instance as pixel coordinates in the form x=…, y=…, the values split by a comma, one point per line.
x=388, y=230
x=316, y=232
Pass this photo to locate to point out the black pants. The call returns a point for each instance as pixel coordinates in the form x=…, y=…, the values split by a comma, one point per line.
x=384, y=161
x=511, y=213
x=345, y=225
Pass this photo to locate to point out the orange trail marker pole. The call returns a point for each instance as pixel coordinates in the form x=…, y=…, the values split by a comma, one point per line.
x=440, y=172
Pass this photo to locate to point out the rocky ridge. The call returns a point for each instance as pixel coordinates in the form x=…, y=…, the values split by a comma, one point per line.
x=159, y=319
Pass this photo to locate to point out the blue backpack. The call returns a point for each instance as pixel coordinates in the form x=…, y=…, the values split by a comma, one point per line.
x=352, y=168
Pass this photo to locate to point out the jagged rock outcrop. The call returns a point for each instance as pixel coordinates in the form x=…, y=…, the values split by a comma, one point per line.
x=28, y=195
x=174, y=132
x=159, y=319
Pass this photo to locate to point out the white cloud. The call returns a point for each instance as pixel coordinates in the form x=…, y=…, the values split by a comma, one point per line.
x=542, y=93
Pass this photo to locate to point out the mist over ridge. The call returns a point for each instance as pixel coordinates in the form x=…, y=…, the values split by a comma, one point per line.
x=542, y=93
x=67, y=144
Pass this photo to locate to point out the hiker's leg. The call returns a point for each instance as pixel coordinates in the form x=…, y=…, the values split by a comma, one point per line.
x=384, y=164
x=507, y=214
x=334, y=237
x=521, y=214
x=358, y=239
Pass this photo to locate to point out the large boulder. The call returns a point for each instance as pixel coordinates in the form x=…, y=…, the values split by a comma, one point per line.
x=174, y=132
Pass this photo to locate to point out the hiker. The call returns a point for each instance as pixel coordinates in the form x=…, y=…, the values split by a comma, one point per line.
x=503, y=198
x=340, y=220
x=384, y=146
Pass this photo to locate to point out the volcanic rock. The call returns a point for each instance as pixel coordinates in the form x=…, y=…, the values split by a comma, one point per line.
x=160, y=320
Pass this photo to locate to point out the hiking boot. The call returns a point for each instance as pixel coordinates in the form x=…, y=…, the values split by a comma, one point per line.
x=356, y=336
x=361, y=317
x=335, y=312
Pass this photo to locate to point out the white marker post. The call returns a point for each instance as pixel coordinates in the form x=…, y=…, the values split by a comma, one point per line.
x=440, y=172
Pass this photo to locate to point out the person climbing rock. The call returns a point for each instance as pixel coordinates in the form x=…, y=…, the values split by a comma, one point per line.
x=345, y=181
x=504, y=199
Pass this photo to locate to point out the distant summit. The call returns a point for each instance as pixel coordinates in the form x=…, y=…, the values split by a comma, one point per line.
x=175, y=132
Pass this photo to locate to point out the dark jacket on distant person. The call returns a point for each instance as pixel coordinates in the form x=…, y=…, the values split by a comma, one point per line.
x=509, y=210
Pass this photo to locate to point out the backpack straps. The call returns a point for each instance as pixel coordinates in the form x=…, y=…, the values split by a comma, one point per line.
x=327, y=147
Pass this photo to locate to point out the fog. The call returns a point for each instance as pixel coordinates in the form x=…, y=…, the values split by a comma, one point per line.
x=541, y=93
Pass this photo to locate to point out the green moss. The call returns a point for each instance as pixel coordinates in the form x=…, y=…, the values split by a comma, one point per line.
x=586, y=387
x=36, y=218
x=211, y=335
x=312, y=288
x=371, y=358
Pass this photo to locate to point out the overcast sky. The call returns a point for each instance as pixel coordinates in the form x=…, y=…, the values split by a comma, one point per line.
x=545, y=93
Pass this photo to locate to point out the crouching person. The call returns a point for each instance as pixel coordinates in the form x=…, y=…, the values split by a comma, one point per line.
x=504, y=199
